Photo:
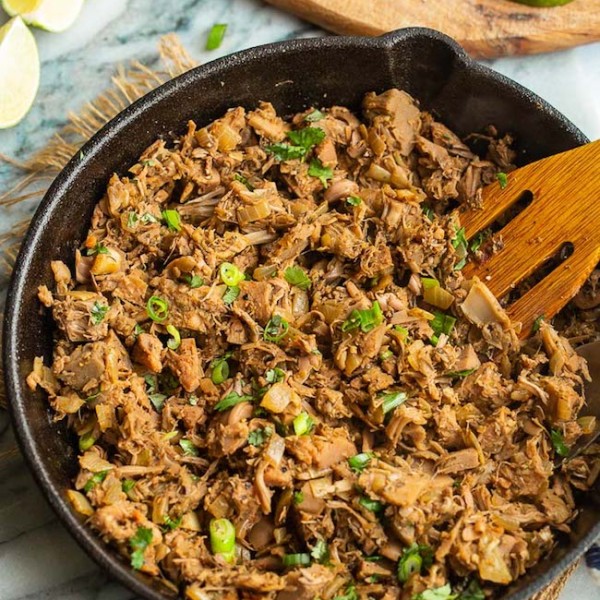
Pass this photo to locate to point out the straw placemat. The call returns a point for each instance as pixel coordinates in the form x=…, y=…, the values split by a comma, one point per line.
x=38, y=172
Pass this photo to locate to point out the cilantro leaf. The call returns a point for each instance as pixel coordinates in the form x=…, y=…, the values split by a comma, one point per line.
x=98, y=312
x=258, y=437
x=298, y=277
x=316, y=169
x=138, y=544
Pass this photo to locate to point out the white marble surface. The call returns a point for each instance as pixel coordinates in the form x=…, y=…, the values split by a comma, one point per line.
x=38, y=559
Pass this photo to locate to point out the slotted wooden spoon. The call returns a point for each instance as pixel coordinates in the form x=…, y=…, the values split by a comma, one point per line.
x=565, y=209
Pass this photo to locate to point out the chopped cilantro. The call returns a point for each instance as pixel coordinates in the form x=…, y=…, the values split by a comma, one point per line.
x=502, y=179
x=188, y=447
x=298, y=277
x=138, y=544
x=259, y=436
x=316, y=169
x=98, y=313
x=559, y=443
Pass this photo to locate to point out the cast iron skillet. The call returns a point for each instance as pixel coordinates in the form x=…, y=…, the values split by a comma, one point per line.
x=293, y=75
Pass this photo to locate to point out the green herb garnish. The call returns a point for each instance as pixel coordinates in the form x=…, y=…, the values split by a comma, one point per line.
x=440, y=593
x=315, y=115
x=128, y=485
x=231, y=400
x=298, y=497
x=559, y=443
x=353, y=200
x=243, y=180
x=99, y=248
x=275, y=375
x=320, y=552
x=215, y=36
x=537, y=324
x=441, y=323
x=276, y=329
x=366, y=319
x=413, y=560
x=231, y=294
x=138, y=544
x=392, y=400
x=318, y=170
x=98, y=312
x=374, y=506
x=502, y=179
x=303, y=140
x=297, y=276
x=94, y=480
x=170, y=524
x=188, y=447
x=361, y=461
x=259, y=436
x=157, y=309
x=303, y=424
x=172, y=219
x=461, y=246
x=472, y=592
x=194, y=281
x=175, y=340
x=296, y=560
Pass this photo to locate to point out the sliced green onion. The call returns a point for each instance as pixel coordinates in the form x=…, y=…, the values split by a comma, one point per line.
x=231, y=400
x=441, y=323
x=440, y=593
x=473, y=591
x=361, y=461
x=275, y=375
x=157, y=309
x=303, y=423
x=215, y=36
x=403, y=331
x=296, y=276
x=231, y=294
x=502, y=179
x=429, y=282
x=276, y=329
x=366, y=319
x=94, y=480
x=461, y=245
x=188, y=447
x=222, y=538
x=412, y=560
x=296, y=560
x=194, y=281
x=175, y=340
x=230, y=274
x=147, y=218
x=392, y=400
x=372, y=505
x=172, y=219
x=128, y=485
x=220, y=370
x=353, y=200
x=320, y=552
x=157, y=400
x=298, y=497
x=463, y=373
x=386, y=354
x=86, y=441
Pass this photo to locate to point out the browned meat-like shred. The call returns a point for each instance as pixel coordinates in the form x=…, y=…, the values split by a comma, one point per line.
x=244, y=336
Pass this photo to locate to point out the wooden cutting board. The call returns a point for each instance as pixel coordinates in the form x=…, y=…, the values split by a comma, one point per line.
x=485, y=28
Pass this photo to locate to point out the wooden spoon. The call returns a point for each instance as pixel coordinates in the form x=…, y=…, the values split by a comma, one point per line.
x=565, y=210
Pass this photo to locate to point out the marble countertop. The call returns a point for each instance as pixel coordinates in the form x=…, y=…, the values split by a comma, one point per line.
x=38, y=558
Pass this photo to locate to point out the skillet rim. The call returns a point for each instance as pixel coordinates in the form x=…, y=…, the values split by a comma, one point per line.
x=14, y=321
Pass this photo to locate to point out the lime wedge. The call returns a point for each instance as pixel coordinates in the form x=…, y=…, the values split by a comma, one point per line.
x=52, y=15
x=543, y=3
x=19, y=71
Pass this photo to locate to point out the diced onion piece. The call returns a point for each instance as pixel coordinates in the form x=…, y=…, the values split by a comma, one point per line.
x=105, y=414
x=378, y=173
x=587, y=424
x=68, y=404
x=278, y=397
x=93, y=462
x=80, y=503
x=106, y=263
x=253, y=212
x=190, y=521
x=263, y=273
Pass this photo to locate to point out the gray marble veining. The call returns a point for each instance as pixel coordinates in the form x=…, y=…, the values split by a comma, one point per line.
x=38, y=558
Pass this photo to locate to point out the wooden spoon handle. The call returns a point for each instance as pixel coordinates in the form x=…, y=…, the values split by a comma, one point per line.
x=485, y=28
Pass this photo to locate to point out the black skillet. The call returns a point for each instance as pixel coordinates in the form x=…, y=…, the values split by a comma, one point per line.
x=293, y=75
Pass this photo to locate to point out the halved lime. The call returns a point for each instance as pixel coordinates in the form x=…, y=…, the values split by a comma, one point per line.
x=52, y=15
x=543, y=3
x=19, y=71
